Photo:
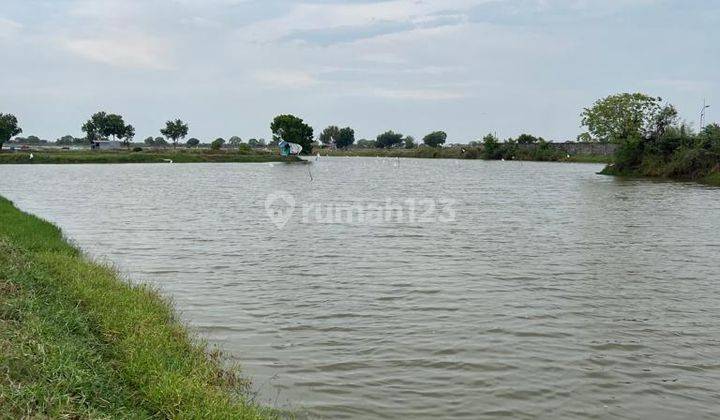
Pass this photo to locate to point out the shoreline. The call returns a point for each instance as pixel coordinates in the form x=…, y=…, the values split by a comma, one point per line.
x=79, y=341
x=467, y=153
x=125, y=156
x=712, y=179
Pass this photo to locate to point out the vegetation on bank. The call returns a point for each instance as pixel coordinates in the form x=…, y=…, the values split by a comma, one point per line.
x=76, y=341
x=143, y=156
x=652, y=141
x=648, y=138
x=549, y=153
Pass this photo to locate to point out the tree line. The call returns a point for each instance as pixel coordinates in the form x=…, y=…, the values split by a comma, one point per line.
x=639, y=124
x=103, y=126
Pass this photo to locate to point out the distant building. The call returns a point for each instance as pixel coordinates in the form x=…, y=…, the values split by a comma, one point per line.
x=105, y=145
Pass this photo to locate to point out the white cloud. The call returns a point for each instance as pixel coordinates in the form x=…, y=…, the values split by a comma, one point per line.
x=9, y=28
x=126, y=51
x=286, y=78
x=417, y=94
x=308, y=16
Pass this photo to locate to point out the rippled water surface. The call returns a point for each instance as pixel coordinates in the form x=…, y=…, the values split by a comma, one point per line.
x=555, y=293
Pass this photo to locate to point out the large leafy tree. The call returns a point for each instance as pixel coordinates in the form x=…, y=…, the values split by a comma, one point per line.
x=175, y=130
x=115, y=126
x=389, y=139
x=435, y=139
x=193, y=142
x=624, y=116
x=293, y=130
x=95, y=126
x=9, y=128
x=102, y=125
x=128, y=135
x=345, y=138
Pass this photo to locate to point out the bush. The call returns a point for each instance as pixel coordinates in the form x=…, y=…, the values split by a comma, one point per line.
x=217, y=144
x=137, y=149
x=629, y=155
x=692, y=163
x=546, y=153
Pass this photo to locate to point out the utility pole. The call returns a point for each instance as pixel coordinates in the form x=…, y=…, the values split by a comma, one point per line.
x=702, y=114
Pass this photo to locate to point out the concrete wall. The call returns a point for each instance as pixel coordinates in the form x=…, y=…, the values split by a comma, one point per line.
x=600, y=149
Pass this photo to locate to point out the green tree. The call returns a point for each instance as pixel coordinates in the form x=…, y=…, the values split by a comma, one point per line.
x=193, y=142
x=345, y=138
x=620, y=117
x=150, y=141
x=388, y=139
x=235, y=141
x=293, y=130
x=128, y=135
x=160, y=142
x=435, y=139
x=528, y=139
x=709, y=137
x=175, y=130
x=410, y=142
x=492, y=149
x=9, y=128
x=217, y=144
x=115, y=126
x=366, y=144
x=95, y=126
x=101, y=125
x=330, y=135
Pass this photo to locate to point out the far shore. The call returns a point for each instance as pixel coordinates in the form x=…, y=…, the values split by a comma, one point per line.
x=145, y=156
x=185, y=155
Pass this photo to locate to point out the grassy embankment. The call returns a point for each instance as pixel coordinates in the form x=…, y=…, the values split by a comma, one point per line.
x=711, y=178
x=76, y=341
x=145, y=156
x=677, y=154
x=199, y=156
x=464, y=153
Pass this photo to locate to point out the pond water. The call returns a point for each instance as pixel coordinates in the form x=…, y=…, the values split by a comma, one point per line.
x=515, y=289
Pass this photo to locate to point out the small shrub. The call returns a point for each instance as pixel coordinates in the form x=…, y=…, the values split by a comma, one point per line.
x=137, y=149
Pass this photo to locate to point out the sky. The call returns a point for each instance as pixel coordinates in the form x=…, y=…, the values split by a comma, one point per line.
x=468, y=67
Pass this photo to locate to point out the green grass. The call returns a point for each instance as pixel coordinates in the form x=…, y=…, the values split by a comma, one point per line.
x=712, y=179
x=145, y=156
x=76, y=341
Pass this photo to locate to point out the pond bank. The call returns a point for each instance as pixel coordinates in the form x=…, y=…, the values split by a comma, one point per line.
x=125, y=156
x=712, y=179
x=77, y=341
x=468, y=152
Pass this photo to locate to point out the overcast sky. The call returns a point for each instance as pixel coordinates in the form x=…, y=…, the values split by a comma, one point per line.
x=464, y=66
